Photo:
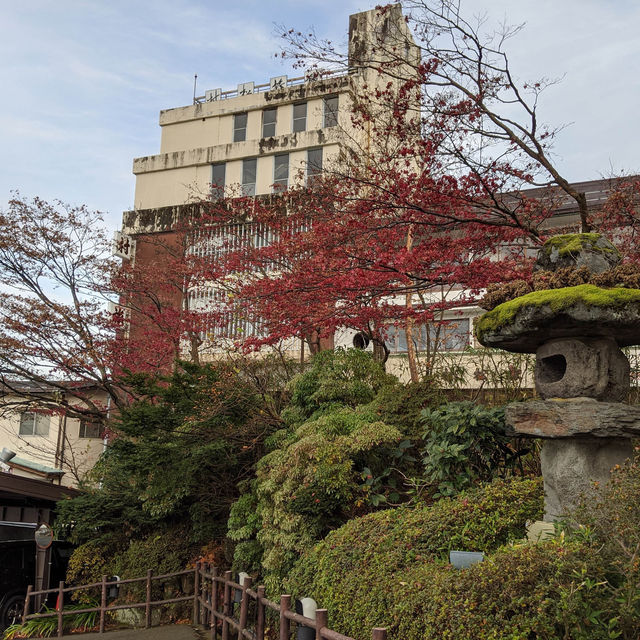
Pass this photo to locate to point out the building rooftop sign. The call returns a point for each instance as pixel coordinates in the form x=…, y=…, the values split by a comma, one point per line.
x=276, y=83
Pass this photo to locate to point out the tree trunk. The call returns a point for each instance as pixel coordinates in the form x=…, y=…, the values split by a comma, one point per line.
x=380, y=351
x=412, y=356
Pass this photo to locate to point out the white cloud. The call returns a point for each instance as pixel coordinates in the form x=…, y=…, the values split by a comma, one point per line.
x=83, y=81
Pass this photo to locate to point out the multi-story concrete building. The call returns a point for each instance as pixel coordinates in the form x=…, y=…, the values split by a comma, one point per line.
x=255, y=139
x=258, y=137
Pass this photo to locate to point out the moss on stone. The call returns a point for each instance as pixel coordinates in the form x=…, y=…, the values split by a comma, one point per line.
x=558, y=300
x=569, y=243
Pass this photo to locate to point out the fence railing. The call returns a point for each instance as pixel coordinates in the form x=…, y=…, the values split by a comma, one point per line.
x=224, y=607
x=218, y=595
x=105, y=607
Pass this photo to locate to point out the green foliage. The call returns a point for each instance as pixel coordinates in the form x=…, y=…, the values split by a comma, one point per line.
x=336, y=379
x=464, y=443
x=47, y=627
x=320, y=471
x=569, y=243
x=165, y=552
x=362, y=571
x=310, y=485
x=88, y=563
x=547, y=591
x=244, y=523
x=611, y=518
x=402, y=405
x=180, y=450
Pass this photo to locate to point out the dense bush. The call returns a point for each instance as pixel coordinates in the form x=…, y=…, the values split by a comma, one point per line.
x=465, y=443
x=359, y=572
x=330, y=464
x=336, y=379
x=179, y=451
x=163, y=553
x=547, y=591
x=611, y=516
x=310, y=484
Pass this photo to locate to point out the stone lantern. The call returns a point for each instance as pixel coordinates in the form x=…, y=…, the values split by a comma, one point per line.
x=581, y=373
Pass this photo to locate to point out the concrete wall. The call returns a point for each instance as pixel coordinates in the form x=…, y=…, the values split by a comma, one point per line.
x=196, y=136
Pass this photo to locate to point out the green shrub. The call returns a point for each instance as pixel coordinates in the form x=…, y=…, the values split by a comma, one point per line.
x=311, y=484
x=333, y=461
x=244, y=524
x=359, y=571
x=611, y=517
x=47, y=627
x=402, y=405
x=336, y=379
x=465, y=443
x=87, y=564
x=546, y=591
x=179, y=451
x=166, y=552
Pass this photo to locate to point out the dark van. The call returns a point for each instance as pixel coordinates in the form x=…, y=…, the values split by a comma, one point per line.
x=17, y=572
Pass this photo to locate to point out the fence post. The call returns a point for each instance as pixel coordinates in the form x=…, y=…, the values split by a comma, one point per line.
x=103, y=603
x=147, y=605
x=285, y=605
x=206, y=601
x=322, y=622
x=226, y=611
x=25, y=612
x=60, y=603
x=260, y=613
x=214, y=603
x=244, y=605
x=379, y=633
x=196, y=595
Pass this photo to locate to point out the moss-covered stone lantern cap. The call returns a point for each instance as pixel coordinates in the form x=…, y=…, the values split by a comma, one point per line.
x=590, y=250
x=523, y=324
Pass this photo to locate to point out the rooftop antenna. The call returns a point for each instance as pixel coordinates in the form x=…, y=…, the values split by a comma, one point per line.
x=195, y=82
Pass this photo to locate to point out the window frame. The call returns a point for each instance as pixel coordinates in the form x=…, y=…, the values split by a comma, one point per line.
x=314, y=170
x=280, y=183
x=330, y=115
x=240, y=132
x=249, y=188
x=265, y=124
x=296, y=120
x=449, y=342
x=218, y=189
x=82, y=429
x=35, y=418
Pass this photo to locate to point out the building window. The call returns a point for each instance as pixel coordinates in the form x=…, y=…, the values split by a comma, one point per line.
x=281, y=172
x=314, y=164
x=217, y=180
x=249, y=177
x=300, y=116
x=34, y=424
x=89, y=429
x=269, y=117
x=330, y=111
x=450, y=335
x=240, y=127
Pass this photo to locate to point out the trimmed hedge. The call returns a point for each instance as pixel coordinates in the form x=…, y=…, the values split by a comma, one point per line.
x=545, y=591
x=361, y=571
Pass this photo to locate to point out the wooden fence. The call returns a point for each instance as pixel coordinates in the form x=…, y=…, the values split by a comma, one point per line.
x=224, y=607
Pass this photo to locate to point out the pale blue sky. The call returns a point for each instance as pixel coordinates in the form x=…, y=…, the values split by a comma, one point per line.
x=83, y=81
